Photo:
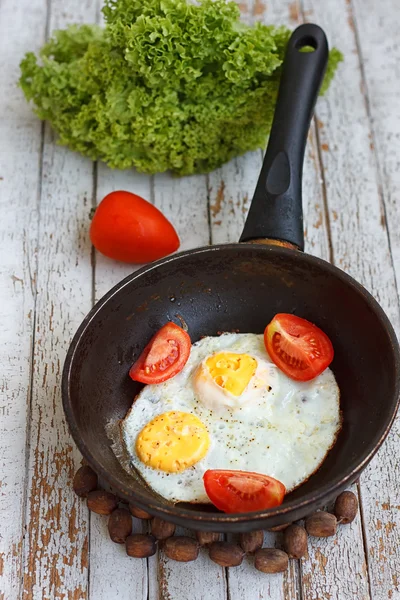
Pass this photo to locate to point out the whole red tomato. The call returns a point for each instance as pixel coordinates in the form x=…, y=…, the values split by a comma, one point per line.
x=128, y=228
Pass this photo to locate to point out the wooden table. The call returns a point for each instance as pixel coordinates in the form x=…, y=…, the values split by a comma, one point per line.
x=50, y=547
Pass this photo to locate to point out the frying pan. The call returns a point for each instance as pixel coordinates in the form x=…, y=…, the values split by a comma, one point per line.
x=242, y=286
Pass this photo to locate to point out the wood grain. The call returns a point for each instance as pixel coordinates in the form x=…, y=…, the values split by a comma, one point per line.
x=56, y=546
x=351, y=169
x=114, y=574
x=376, y=27
x=336, y=567
x=20, y=158
x=56, y=542
x=200, y=580
x=360, y=246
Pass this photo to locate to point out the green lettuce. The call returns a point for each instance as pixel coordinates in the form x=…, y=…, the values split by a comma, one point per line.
x=166, y=84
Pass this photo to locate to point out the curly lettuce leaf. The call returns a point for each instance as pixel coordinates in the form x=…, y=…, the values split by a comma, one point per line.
x=167, y=84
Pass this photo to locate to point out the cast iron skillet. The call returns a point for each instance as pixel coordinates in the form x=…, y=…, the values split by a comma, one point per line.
x=242, y=286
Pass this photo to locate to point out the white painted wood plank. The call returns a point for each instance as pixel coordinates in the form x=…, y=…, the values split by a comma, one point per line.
x=56, y=547
x=377, y=26
x=20, y=155
x=114, y=574
x=329, y=557
x=360, y=246
x=199, y=580
x=184, y=202
x=246, y=582
x=56, y=541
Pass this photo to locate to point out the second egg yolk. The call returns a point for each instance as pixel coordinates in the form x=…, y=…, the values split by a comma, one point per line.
x=232, y=371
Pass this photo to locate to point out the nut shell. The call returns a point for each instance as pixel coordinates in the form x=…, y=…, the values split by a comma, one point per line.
x=138, y=512
x=295, y=541
x=162, y=529
x=85, y=481
x=141, y=545
x=346, y=507
x=207, y=537
x=271, y=560
x=226, y=554
x=120, y=525
x=101, y=502
x=321, y=524
x=251, y=541
x=181, y=548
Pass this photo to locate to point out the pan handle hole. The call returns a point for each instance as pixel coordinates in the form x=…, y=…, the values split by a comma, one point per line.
x=307, y=44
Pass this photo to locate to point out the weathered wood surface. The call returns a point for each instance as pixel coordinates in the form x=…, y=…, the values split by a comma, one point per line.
x=49, y=546
x=56, y=541
x=20, y=180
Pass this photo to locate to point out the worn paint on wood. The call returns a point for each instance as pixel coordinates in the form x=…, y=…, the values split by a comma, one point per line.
x=56, y=542
x=352, y=149
x=376, y=27
x=200, y=580
x=114, y=574
x=20, y=157
x=360, y=246
x=56, y=546
x=328, y=557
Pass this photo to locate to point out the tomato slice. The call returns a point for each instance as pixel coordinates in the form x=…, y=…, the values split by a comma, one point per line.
x=242, y=491
x=164, y=356
x=299, y=348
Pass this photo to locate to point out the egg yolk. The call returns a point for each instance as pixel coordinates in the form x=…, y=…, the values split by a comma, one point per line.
x=232, y=371
x=172, y=442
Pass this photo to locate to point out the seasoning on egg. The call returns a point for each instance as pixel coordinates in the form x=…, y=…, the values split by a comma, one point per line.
x=225, y=410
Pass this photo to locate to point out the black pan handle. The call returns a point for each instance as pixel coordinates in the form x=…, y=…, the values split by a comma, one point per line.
x=276, y=211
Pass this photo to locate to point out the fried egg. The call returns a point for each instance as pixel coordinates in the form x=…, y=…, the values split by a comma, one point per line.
x=230, y=408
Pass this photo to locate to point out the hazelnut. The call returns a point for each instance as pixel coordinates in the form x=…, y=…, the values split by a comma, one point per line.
x=85, y=481
x=271, y=560
x=140, y=545
x=162, y=529
x=120, y=525
x=181, y=548
x=321, y=524
x=138, y=512
x=207, y=537
x=251, y=541
x=101, y=502
x=295, y=541
x=346, y=507
x=226, y=554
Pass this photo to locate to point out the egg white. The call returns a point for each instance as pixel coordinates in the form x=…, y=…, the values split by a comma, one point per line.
x=285, y=432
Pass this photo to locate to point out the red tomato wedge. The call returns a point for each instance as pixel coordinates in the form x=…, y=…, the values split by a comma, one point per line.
x=241, y=491
x=164, y=356
x=299, y=348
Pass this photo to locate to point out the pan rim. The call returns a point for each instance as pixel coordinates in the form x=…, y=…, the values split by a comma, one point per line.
x=227, y=521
